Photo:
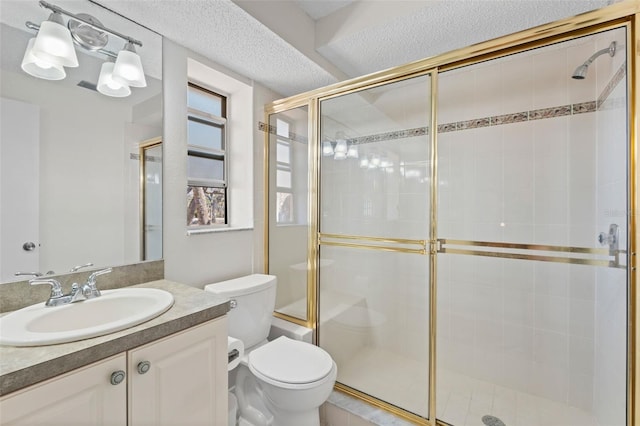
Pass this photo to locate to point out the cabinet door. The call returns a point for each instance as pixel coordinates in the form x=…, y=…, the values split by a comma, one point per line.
x=186, y=381
x=82, y=397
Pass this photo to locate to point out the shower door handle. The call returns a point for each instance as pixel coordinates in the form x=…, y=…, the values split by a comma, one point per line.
x=611, y=239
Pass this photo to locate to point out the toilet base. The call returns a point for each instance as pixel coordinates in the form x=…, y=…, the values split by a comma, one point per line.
x=243, y=422
x=306, y=418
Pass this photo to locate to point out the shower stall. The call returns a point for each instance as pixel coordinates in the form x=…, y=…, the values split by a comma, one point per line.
x=460, y=231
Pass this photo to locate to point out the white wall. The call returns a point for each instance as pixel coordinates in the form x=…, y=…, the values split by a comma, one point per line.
x=204, y=258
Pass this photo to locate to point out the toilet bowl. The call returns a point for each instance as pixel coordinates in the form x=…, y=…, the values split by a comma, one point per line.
x=278, y=383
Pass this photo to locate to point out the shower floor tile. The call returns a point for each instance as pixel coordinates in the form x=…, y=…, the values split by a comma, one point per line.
x=514, y=408
x=461, y=400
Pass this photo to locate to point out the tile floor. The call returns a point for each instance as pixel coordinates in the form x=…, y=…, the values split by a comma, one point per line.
x=461, y=400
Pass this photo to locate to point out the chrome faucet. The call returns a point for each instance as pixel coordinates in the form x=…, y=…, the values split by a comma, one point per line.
x=78, y=292
x=88, y=290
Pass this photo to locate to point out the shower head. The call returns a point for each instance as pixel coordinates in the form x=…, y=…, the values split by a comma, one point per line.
x=581, y=72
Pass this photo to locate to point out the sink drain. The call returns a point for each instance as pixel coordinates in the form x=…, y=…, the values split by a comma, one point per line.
x=492, y=421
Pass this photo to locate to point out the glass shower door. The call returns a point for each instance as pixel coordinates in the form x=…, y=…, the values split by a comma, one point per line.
x=151, y=170
x=374, y=226
x=288, y=211
x=532, y=226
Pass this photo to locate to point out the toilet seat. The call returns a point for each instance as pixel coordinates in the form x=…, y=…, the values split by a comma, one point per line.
x=290, y=364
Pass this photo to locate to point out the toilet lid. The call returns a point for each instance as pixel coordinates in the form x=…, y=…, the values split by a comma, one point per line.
x=291, y=361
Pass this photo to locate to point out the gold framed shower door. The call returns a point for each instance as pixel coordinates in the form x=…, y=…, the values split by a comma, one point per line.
x=621, y=14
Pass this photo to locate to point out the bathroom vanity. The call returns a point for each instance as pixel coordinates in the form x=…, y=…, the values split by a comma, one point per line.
x=169, y=370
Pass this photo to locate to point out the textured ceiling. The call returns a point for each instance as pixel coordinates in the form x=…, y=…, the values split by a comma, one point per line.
x=434, y=27
x=267, y=41
x=223, y=32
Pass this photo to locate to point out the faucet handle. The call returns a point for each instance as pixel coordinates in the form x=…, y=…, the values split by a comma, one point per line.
x=92, y=290
x=56, y=288
x=86, y=265
x=92, y=277
x=34, y=274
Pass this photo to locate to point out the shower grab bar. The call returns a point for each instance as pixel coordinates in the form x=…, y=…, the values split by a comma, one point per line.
x=374, y=243
x=612, y=263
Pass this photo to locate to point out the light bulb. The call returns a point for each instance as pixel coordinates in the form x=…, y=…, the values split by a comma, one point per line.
x=39, y=68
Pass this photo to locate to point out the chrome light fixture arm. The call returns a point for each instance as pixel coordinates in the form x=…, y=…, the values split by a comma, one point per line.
x=94, y=25
x=35, y=27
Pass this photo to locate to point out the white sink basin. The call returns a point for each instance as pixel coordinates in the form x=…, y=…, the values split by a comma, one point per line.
x=115, y=310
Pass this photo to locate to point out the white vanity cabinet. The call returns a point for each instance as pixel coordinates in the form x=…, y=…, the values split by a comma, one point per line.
x=181, y=379
x=81, y=397
x=178, y=380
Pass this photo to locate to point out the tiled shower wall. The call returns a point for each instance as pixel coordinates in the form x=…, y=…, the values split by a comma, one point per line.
x=549, y=329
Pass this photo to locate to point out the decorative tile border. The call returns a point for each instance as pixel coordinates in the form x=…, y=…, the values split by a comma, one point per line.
x=603, y=102
x=398, y=134
x=615, y=80
x=263, y=127
x=151, y=158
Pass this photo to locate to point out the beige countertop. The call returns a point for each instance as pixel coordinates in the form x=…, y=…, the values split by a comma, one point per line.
x=24, y=366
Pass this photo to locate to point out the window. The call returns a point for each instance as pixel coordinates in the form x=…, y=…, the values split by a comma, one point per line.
x=284, y=178
x=207, y=158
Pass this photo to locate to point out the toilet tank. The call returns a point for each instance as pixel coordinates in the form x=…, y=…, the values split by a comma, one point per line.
x=255, y=299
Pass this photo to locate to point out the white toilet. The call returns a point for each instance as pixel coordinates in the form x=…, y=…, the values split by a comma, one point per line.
x=278, y=383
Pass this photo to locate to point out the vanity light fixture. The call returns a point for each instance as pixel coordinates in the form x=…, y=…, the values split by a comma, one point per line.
x=128, y=68
x=54, y=44
x=340, y=149
x=107, y=85
x=327, y=148
x=38, y=68
x=352, y=152
x=52, y=49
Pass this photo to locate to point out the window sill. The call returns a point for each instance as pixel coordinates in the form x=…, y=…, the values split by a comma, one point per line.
x=218, y=230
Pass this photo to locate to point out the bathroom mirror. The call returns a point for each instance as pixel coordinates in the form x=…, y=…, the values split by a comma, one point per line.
x=73, y=190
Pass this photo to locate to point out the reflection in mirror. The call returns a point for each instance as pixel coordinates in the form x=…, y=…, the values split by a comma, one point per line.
x=72, y=183
x=288, y=211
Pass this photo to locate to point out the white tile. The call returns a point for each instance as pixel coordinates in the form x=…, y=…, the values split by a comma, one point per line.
x=551, y=313
x=551, y=349
x=582, y=150
x=488, y=94
x=581, y=391
x=551, y=206
x=551, y=235
x=488, y=303
x=550, y=147
x=550, y=382
x=489, y=336
x=582, y=282
x=582, y=355
x=582, y=318
x=463, y=328
x=582, y=206
x=515, y=232
x=518, y=274
x=519, y=307
x=551, y=279
x=551, y=81
x=518, y=341
x=518, y=76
